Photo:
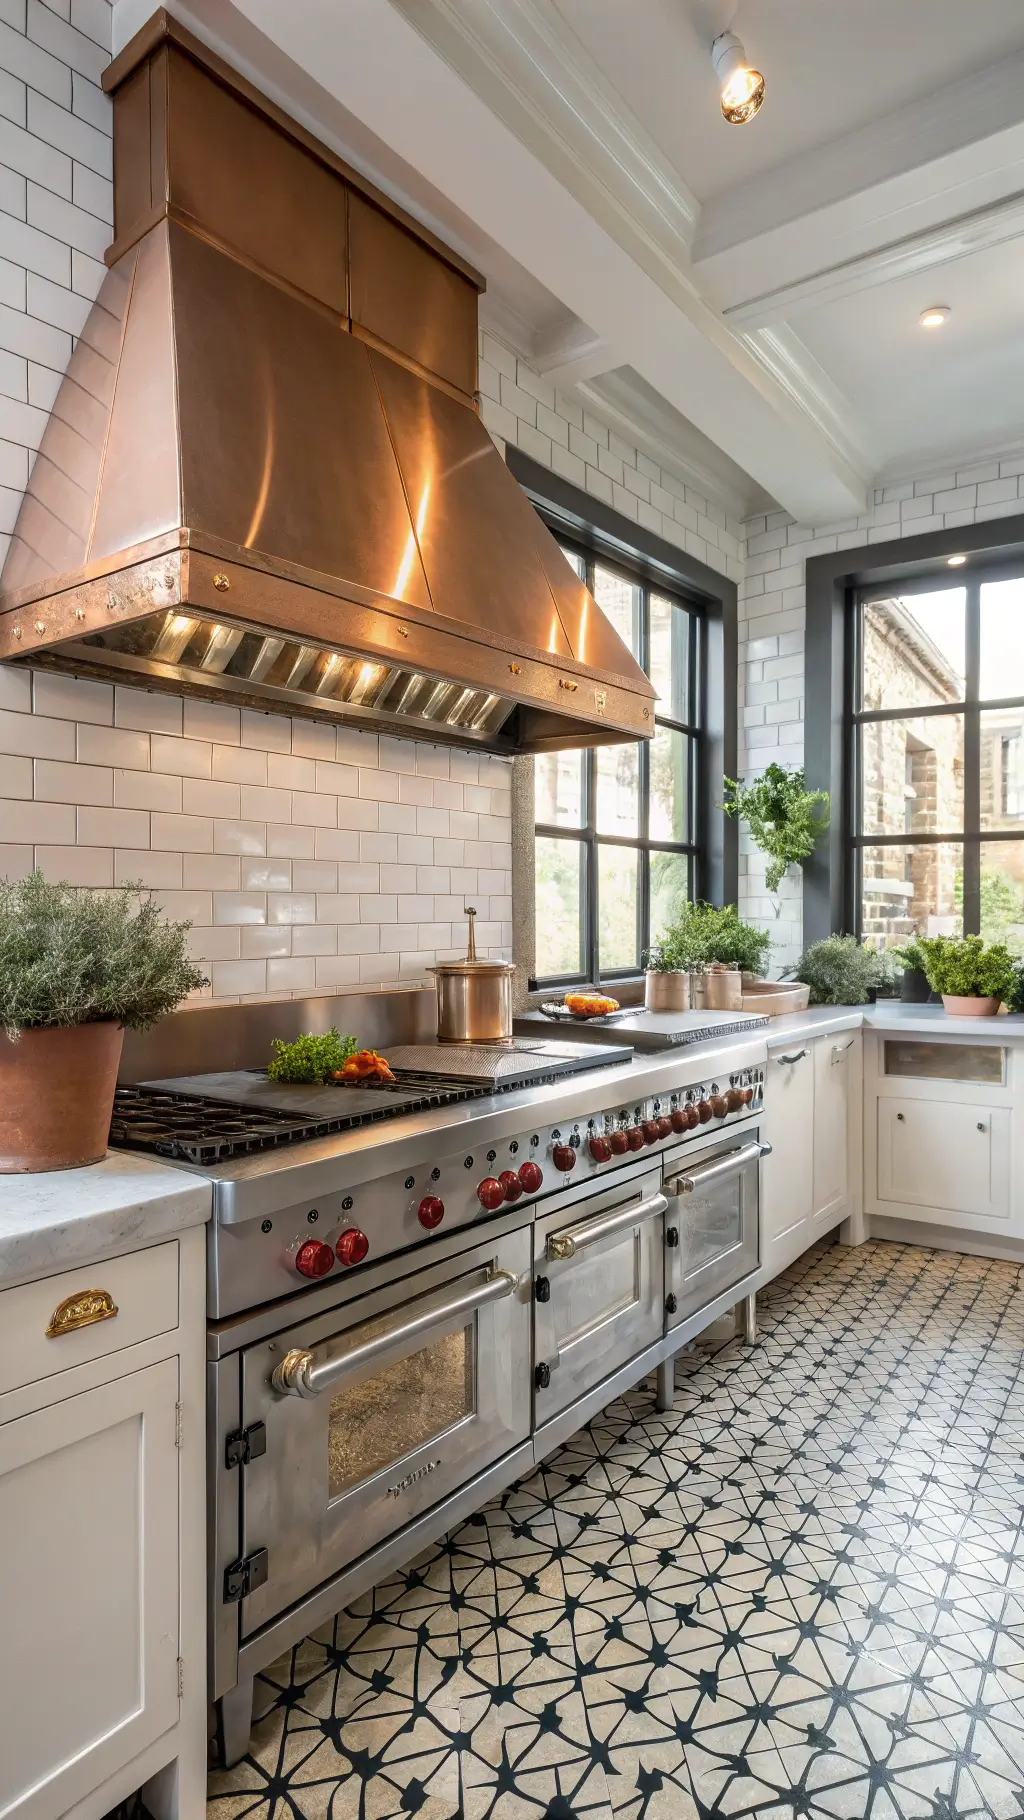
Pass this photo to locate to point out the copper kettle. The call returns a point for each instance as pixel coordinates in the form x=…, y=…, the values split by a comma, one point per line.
x=474, y=998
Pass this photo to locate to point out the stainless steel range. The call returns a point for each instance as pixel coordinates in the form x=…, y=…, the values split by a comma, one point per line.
x=416, y=1292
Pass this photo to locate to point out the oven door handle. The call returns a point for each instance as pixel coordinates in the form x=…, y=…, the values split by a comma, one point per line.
x=603, y=1225
x=730, y=1164
x=302, y=1374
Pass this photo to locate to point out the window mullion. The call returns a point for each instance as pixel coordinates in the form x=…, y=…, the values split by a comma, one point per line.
x=972, y=764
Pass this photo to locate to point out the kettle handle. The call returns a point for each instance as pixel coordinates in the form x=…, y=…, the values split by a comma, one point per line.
x=471, y=948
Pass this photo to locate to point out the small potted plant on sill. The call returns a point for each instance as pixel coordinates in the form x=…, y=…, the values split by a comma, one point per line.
x=666, y=976
x=77, y=968
x=911, y=958
x=722, y=951
x=972, y=978
x=838, y=970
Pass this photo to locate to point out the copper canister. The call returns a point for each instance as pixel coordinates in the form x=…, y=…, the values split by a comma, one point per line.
x=474, y=997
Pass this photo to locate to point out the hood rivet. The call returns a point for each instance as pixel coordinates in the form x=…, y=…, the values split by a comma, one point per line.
x=562, y=684
x=221, y=583
x=403, y=631
x=40, y=626
x=17, y=631
x=79, y=612
x=514, y=669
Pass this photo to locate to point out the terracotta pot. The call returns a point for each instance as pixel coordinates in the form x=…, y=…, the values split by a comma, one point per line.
x=969, y=1007
x=56, y=1096
x=667, y=991
x=723, y=989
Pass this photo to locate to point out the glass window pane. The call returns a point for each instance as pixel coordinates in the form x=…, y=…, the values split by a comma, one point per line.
x=912, y=890
x=670, y=889
x=617, y=791
x=912, y=650
x=1002, y=639
x=670, y=657
x=558, y=789
x=575, y=561
x=1002, y=768
x=618, y=936
x=1002, y=893
x=670, y=797
x=559, y=874
x=619, y=599
x=912, y=775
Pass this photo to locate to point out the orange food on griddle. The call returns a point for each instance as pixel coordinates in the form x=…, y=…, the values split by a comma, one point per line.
x=365, y=1066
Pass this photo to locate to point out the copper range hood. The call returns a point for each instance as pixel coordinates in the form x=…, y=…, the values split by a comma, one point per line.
x=264, y=478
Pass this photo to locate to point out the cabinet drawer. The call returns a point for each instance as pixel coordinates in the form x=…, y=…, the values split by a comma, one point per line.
x=143, y=1288
x=933, y=1154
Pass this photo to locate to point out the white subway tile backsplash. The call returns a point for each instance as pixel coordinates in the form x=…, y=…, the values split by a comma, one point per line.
x=145, y=710
x=98, y=827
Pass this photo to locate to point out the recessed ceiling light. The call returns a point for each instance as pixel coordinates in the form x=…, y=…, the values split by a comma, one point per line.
x=742, y=86
x=935, y=315
x=955, y=562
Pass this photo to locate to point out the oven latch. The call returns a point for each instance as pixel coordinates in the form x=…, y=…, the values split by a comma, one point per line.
x=244, y=1577
x=245, y=1445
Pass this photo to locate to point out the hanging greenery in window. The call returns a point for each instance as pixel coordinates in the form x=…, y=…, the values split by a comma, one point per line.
x=786, y=820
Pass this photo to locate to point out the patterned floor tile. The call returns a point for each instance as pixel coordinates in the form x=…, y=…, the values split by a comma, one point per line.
x=800, y=1592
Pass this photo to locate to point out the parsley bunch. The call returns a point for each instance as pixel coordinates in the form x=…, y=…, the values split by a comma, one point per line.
x=785, y=819
x=310, y=1058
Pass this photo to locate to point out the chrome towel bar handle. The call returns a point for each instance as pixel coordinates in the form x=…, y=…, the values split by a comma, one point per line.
x=603, y=1226
x=719, y=1171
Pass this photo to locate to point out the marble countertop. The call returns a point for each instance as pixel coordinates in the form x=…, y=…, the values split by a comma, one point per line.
x=74, y=1216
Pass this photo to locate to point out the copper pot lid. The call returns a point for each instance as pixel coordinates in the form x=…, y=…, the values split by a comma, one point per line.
x=471, y=964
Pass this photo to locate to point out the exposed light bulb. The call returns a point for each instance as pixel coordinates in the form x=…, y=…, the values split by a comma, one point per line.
x=935, y=315
x=742, y=86
x=955, y=562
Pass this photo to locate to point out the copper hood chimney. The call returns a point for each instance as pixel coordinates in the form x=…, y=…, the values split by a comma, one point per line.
x=264, y=478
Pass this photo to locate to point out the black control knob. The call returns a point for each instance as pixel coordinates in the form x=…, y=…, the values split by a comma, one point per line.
x=672, y=1237
x=542, y=1376
x=542, y=1289
x=671, y=1304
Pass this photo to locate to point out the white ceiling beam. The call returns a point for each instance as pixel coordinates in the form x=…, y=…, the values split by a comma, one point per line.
x=573, y=353
x=407, y=97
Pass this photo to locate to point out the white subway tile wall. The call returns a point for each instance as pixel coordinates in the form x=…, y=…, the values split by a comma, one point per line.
x=308, y=858
x=771, y=636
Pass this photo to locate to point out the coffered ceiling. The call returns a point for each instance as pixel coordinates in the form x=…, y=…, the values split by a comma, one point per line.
x=746, y=300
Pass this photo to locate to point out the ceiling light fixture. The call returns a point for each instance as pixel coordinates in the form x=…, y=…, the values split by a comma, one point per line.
x=742, y=87
x=935, y=315
x=955, y=562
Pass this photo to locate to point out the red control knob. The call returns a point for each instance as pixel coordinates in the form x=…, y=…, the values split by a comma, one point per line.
x=314, y=1258
x=564, y=1157
x=600, y=1149
x=678, y=1119
x=511, y=1186
x=746, y=1095
x=734, y=1099
x=719, y=1105
x=664, y=1127
x=635, y=1137
x=619, y=1142
x=704, y=1111
x=352, y=1246
x=531, y=1176
x=692, y=1118
x=650, y=1131
x=430, y=1212
x=490, y=1193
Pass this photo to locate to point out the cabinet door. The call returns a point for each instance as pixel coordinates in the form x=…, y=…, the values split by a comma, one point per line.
x=937, y=1155
x=88, y=1589
x=788, y=1174
x=832, y=1070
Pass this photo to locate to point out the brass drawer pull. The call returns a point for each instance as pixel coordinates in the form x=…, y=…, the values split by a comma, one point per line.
x=81, y=1310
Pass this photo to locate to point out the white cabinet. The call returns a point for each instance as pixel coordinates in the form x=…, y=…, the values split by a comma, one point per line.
x=812, y=1120
x=88, y=1588
x=944, y=1122
x=102, y=1589
x=787, y=1180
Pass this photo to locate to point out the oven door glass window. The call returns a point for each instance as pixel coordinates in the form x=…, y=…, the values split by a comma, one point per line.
x=384, y=1419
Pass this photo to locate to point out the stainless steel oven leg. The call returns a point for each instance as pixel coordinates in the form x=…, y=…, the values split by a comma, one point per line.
x=235, y=1723
x=746, y=1319
x=666, y=1391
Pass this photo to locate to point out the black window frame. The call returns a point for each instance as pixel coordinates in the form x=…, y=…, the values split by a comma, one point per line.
x=836, y=584
x=587, y=833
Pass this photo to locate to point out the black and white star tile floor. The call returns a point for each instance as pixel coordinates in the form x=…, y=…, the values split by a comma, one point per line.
x=801, y=1592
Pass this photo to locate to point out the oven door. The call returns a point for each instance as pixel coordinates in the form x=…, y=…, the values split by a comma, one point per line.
x=598, y=1290
x=711, y=1227
x=373, y=1417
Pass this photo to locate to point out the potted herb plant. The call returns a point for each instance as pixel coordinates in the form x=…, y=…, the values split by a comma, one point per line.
x=77, y=968
x=914, y=987
x=667, y=975
x=972, y=978
x=712, y=942
x=838, y=970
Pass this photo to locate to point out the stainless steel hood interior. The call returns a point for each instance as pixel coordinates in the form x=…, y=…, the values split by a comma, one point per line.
x=246, y=490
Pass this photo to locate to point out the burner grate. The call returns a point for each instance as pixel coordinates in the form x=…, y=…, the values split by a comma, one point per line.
x=191, y=1128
